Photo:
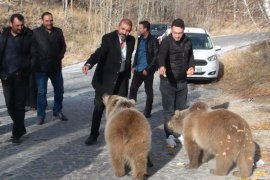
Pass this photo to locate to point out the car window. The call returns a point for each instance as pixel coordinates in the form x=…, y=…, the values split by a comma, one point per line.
x=158, y=29
x=200, y=41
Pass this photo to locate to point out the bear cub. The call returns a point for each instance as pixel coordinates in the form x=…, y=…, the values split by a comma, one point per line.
x=128, y=136
x=220, y=133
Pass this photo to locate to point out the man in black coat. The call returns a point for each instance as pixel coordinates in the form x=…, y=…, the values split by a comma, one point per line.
x=113, y=59
x=49, y=47
x=176, y=61
x=144, y=66
x=15, y=65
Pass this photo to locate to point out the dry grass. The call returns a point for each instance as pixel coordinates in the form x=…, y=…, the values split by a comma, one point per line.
x=230, y=27
x=265, y=155
x=261, y=126
x=247, y=72
x=80, y=41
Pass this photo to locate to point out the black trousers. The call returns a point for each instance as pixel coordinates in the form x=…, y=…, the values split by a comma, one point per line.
x=31, y=92
x=14, y=88
x=121, y=88
x=137, y=80
x=173, y=98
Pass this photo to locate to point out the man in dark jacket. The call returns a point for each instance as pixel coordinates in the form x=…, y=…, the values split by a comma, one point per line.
x=144, y=66
x=113, y=59
x=50, y=47
x=176, y=61
x=15, y=64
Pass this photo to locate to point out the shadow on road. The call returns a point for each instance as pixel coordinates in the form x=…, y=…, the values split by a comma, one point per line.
x=160, y=155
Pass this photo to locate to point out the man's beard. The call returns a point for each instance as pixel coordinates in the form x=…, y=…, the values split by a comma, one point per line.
x=16, y=31
x=123, y=37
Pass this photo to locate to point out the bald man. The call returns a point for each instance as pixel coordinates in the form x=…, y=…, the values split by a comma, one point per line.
x=113, y=71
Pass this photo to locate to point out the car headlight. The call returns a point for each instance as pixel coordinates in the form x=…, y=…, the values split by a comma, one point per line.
x=212, y=58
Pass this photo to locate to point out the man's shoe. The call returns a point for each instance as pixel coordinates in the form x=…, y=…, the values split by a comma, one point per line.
x=147, y=115
x=60, y=116
x=90, y=141
x=16, y=141
x=171, y=141
x=40, y=121
x=24, y=132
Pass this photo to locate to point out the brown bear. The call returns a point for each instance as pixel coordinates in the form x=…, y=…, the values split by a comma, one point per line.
x=128, y=136
x=220, y=133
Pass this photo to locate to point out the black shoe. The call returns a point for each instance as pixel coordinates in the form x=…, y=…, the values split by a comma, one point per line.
x=16, y=141
x=40, y=121
x=90, y=141
x=24, y=132
x=60, y=116
x=147, y=115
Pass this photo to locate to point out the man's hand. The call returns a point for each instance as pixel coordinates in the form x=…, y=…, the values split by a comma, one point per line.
x=133, y=70
x=85, y=69
x=190, y=71
x=162, y=71
x=144, y=73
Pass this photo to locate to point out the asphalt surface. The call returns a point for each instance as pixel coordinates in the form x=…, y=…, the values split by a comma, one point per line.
x=229, y=42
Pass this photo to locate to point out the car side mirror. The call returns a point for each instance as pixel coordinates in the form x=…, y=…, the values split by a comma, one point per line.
x=217, y=48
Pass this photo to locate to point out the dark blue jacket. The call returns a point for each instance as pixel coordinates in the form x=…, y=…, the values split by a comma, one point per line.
x=151, y=53
x=25, y=52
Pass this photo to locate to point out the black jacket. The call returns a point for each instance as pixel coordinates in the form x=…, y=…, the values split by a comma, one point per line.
x=151, y=53
x=177, y=57
x=108, y=60
x=25, y=52
x=49, y=49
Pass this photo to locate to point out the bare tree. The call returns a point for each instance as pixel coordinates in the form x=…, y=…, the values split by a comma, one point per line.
x=21, y=5
x=89, y=15
x=251, y=17
x=267, y=8
x=65, y=6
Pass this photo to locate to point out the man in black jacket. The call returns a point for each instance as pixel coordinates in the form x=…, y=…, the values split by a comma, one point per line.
x=15, y=64
x=50, y=47
x=176, y=61
x=144, y=66
x=113, y=59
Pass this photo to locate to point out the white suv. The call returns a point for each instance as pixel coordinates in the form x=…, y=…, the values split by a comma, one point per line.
x=205, y=57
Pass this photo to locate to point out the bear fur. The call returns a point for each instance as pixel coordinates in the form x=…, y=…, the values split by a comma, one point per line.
x=220, y=133
x=128, y=136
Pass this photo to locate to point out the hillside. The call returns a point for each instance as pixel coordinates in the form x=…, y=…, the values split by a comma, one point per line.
x=85, y=21
x=247, y=71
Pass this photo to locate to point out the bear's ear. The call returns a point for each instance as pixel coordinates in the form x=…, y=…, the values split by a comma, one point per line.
x=177, y=113
x=198, y=106
x=105, y=98
x=132, y=101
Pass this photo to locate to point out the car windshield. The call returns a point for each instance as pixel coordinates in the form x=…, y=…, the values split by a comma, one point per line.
x=158, y=29
x=200, y=41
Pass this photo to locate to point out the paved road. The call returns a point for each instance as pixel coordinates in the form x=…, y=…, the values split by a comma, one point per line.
x=56, y=149
x=230, y=42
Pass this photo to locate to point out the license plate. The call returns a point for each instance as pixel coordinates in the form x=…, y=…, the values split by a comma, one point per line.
x=198, y=70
